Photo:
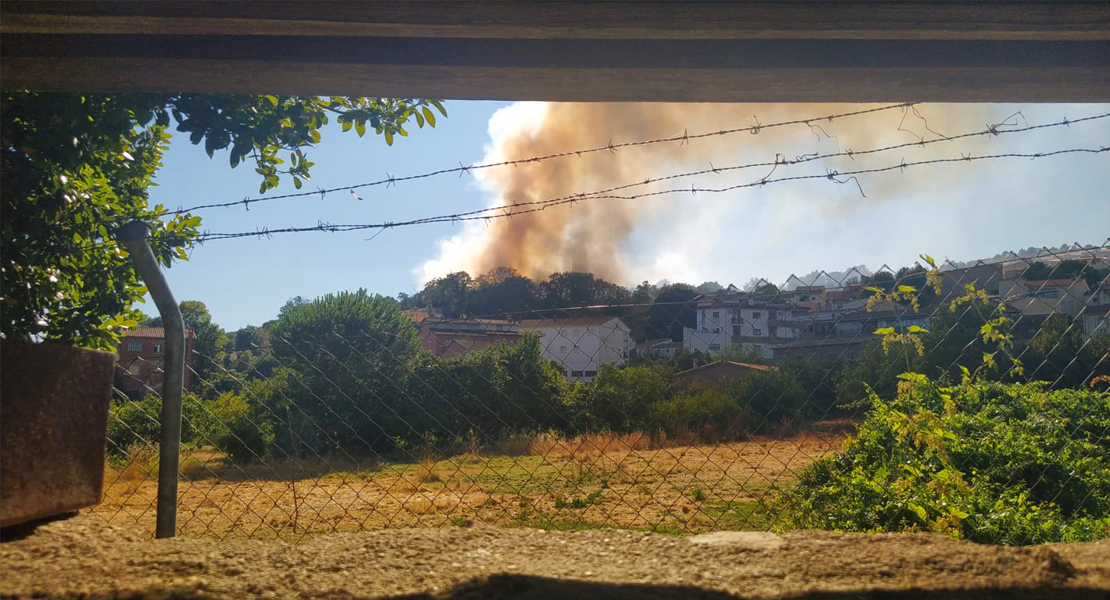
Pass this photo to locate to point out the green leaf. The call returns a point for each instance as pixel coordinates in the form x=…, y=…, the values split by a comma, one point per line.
x=347, y=125
x=360, y=128
x=928, y=259
x=389, y=138
x=872, y=288
x=918, y=510
x=429, y=116
x=273, y=100
x=297, y=183
x=907, y=289
x=884, y=331
x=916, y=329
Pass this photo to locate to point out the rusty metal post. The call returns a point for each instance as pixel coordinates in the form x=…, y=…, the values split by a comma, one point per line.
x=134, y=237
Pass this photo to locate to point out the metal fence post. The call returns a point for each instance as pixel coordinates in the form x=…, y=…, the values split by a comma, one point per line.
x=134, y=237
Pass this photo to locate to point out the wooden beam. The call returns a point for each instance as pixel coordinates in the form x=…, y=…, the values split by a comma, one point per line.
x=596, y=19
x=600, y=51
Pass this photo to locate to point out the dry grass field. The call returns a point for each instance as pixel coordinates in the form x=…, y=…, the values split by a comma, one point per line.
x=588, y=482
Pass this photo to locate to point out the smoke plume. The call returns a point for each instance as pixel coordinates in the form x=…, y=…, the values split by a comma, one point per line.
x=600, y=235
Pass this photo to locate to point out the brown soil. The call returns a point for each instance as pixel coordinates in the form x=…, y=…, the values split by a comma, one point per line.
x=84, y=558
x=562, y=485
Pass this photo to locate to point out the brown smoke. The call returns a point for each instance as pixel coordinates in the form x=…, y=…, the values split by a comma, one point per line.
x=587, y=236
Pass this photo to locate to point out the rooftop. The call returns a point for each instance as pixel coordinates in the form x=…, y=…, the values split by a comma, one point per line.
x=154, y=332
x=565, y=322
x=718, y=363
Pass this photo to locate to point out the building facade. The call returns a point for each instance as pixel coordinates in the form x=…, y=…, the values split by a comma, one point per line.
x=732, y=318
x=456, y=337
x=580, y=345
x=142, y=356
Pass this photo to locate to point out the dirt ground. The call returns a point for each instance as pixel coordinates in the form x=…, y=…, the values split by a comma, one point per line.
x=587, y=484
x=84, y=558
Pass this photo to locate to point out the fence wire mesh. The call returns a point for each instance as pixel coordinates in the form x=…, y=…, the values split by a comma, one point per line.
x=895, y=400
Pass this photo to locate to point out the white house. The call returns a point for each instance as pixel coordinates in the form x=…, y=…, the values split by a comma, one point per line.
x=582, y=344
x=732, y=318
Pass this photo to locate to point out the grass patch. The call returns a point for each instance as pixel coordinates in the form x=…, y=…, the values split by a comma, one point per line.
x=578, y=502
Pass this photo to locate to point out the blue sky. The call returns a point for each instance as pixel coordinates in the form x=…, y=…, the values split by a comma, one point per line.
x=770, y=232
x=245, y=281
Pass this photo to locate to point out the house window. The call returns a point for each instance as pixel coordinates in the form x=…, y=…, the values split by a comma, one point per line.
x=714, y=347
x=757, y=332
x=755, y=315
x=576, y=373
x=134, y=346
x=716, y=314
x=157, y=348
x=704, y=329
x=716, y=330
x=562, y=349
x=590, y=373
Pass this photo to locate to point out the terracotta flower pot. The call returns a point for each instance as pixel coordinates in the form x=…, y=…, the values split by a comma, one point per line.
x=53, y=426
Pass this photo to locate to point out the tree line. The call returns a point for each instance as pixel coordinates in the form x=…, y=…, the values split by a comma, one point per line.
x=344, y=373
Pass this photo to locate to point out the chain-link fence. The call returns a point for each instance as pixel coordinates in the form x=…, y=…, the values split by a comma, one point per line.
x=969, y=399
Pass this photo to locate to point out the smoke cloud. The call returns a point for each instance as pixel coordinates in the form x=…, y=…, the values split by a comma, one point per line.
x=626, y=240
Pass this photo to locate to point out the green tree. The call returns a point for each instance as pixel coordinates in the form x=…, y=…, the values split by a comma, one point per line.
x=672, y=310
x=620, y=399
x=346, y=354
x=74, y=168
x=250, y=338
x=576, y=288
x=1065, y=269
x=448, y=295
x=500, y=292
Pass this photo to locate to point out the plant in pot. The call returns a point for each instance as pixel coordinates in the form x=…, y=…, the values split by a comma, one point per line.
x=74, y=170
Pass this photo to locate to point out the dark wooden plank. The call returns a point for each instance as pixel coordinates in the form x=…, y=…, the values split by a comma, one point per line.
x=939, y=84
x=604, y=50
x=574, y=19
x=576, y=54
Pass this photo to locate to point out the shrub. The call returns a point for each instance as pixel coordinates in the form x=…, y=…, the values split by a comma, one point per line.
x=233, y=430
x=619, y=399
x=989, y=462
x=710, y=414
x=771, y=396
x=138, y=422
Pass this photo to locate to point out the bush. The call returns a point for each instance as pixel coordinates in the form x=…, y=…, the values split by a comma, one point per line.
x=771, y=396
x=619, y=399
x=233, y=430
x=710, y=414
x=989, y=462
x=223, y=422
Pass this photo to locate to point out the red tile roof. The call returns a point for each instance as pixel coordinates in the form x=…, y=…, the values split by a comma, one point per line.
x=154, y=332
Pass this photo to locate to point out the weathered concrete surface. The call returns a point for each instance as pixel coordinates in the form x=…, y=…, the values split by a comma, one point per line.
x=53, y=420
x=84, y=558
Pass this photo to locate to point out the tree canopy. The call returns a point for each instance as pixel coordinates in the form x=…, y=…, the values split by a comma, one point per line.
x=74, y=168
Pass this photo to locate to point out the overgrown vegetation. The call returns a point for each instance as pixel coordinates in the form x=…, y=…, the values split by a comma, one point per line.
x=954, y=440
x=990, y=462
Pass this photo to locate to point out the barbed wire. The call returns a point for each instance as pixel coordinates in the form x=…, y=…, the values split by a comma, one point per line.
x=611, y=147
x=507, y=212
